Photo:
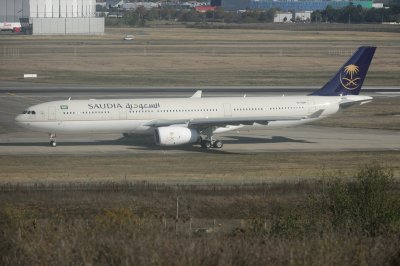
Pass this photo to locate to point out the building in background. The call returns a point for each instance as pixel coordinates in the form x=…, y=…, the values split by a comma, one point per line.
x=283, y=17
x=235, y=5
x=377, y=5
x=304, y=16
x=54, y=16
x=114, y=3
x=215, y=3
x=204, y=9
x=292, y=5
x=134, y=5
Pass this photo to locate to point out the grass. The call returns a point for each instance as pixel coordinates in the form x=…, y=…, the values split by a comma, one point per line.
x=195, y=169
x=184, y=57
x=279, y=223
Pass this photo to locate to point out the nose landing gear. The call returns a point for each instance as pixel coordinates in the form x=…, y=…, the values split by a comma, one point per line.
x=53, y=142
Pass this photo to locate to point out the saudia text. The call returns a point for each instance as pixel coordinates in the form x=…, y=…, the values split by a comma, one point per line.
x=121, y=106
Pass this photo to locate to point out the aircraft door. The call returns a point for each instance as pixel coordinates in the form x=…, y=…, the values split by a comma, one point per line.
x=41, y=115
x=227, y=110
x=52, y=113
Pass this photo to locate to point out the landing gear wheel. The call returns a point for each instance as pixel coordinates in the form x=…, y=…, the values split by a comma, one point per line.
x=206, y=144
x=218, y=144
x=53, y=142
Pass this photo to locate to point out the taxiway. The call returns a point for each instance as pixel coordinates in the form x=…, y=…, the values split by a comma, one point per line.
x=308, y=138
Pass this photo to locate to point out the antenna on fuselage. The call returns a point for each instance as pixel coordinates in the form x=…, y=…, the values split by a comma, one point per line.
x=69, y=99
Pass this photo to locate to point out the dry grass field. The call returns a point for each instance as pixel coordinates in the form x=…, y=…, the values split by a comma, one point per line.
x=200, y=168
x=196, y=57
x=326, y=222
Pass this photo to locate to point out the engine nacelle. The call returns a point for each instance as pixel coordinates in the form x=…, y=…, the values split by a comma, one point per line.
x=172, y=136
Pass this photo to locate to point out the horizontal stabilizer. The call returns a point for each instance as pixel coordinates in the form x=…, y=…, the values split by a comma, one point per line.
x=348, y=102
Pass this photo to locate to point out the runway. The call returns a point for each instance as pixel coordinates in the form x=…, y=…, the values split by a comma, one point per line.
x=29, y=87
x=299, y=139
x=18, y=141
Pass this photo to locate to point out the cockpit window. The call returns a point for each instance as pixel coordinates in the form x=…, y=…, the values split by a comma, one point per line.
x=29, y=112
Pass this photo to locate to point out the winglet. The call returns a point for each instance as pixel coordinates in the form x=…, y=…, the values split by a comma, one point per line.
x=197, y=94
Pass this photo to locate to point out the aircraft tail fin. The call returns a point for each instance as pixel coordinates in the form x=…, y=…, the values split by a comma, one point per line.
x=350, y=77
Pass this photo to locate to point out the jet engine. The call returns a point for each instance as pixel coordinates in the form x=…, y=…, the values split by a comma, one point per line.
x=172, y=136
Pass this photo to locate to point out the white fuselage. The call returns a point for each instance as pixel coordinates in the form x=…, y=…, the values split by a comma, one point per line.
x=132, y=115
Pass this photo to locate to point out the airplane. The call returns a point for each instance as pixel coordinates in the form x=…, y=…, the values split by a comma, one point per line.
x=177, y=121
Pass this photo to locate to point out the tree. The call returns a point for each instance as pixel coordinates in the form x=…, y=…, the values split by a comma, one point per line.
x=131, y=18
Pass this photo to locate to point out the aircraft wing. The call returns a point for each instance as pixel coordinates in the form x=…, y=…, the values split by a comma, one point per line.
x=225, y=121
x=218, y=122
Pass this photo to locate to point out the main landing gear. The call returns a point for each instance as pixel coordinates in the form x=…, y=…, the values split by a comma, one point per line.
x=210, y=142
x=53, y=142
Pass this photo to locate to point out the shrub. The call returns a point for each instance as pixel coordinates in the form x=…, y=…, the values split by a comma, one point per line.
x=375, y=207
x=119, y=217
x=366, y=204
x=10, y=222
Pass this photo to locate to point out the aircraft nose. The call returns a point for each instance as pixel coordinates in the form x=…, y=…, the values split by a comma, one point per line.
x=19, y=118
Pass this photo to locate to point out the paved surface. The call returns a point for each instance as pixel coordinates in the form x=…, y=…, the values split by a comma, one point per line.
x=299, y=139
x=16, y=140
x=29, y=87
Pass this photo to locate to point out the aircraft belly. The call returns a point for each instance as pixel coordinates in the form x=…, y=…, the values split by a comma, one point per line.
x=278, y=124
x=111, y=126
